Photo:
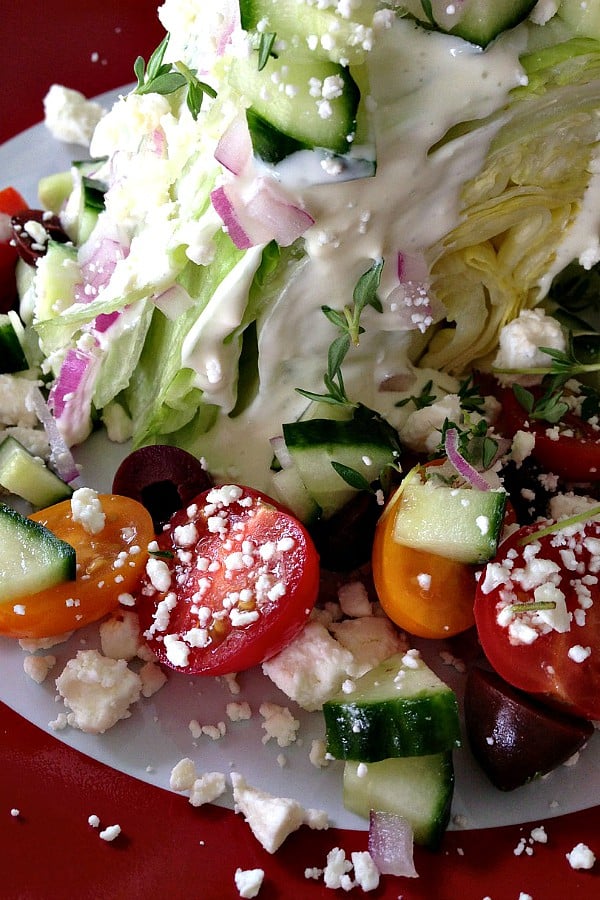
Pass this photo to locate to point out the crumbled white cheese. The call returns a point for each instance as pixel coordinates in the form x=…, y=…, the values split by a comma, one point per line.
x=97, y=690
x=271, y=819
x=370, y=639
x=249, y=881
x=110, y=833
x=86, y=508
x=152, y=678
x=120, y=635
x=311, y=668
x=422, y=429
x=183, y=775
x=520, y=340
x=581, y=857
x=69, y=116
x=207, y=788
x=37, y=667
x=354, y=600
x=279, y=724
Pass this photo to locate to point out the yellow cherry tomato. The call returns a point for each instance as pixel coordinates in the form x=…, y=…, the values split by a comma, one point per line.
x=109, y=563
x=425, y=594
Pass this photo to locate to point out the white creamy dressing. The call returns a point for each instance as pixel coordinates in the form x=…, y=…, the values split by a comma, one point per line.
x=412, y=201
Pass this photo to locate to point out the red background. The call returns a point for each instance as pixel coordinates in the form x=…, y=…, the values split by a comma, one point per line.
x=49, y=851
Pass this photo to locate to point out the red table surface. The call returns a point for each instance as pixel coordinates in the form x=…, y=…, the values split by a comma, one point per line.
x=166, y=847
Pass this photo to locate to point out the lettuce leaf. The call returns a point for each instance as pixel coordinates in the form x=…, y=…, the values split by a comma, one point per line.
x=514, y=213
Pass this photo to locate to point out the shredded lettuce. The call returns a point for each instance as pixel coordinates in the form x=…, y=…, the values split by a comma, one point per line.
x=516, y=210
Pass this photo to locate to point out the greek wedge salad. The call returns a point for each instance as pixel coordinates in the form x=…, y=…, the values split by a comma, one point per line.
x=325, y=278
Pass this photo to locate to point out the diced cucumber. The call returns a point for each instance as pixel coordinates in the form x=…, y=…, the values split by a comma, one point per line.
x=477, y=21
x=57, y=274
x=268, y=143
x=28, y=477
x=54, y=189
x=459, y=523
x=289, y=96
x=399, y=708
x=12, y=357
x=291, y=491
x=419, y=788
x=330, y=34
x=582, y=18
x=33, y=559
x=314, y=444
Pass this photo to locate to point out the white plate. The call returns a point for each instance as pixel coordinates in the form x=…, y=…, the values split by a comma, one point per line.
x=157, y=735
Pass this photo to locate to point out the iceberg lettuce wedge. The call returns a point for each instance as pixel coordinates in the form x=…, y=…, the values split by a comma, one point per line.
x=517, y=209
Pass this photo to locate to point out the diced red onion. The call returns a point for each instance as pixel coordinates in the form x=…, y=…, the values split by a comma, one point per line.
x=280, y=451
x=411, y=267
x=462, y=466
x=61, y=458
x=224, y=208
x=231, y=21
x=98, y=267
x=391, y=844
x=284, y=219
x=234, y=149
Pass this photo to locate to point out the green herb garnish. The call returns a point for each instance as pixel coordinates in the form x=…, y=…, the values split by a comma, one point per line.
x=158, y=77
x=265, y=48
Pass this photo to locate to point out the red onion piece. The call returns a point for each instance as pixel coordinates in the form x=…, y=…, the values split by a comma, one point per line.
x=70, y=397
x=98, y=267
x=224, y=208
x=411, y=267
x=231, y=20
x=234, y=149
x=272, y=208
x=61, y=458
x=391, y=844
x=464, y=468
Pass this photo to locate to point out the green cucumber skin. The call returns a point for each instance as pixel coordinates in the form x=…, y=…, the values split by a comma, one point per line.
x=480, y=21
x=28, y=478
x=33, y=558
x=371, y=732
x=418, y=788
x=12, y=357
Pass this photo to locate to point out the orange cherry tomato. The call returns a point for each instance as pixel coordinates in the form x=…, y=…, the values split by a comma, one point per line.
x=109, y=564
x=425, y=594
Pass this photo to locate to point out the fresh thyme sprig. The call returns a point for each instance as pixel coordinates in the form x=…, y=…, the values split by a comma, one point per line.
x=550, y=407
x=564, y=363
x=265, y=48
x=348, y=323
x=158, y=77
x=422, y=400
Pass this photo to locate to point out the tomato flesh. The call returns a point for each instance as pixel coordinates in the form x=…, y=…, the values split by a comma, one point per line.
x=560, y=666
x=109, y=564
x=570, y=449
x=11, y=202
x=233, y=582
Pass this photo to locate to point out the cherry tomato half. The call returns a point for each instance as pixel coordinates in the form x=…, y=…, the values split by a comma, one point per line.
x=570, y=449
x=233, y=582
x=425, y=594
x=109, y=563
x=11, y=202
x=523, y=644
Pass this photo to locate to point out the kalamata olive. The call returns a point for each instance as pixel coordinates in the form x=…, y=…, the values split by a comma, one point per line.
x=31, y=231
x=513, y=738
x=162, y=478
x=344, y=541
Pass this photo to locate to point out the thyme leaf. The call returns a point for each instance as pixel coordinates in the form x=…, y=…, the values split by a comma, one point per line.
x=158, y=77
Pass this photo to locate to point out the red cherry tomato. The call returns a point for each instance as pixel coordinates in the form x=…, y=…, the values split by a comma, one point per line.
x=570, y=449
x=553, y=652
x=11, y=202
x=233, y=581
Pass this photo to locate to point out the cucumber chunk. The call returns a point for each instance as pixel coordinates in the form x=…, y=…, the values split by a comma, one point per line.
x=399, y=708
x=54, y=189
x=12, y=357
x=314, y=444
x=28, y=477
x=477, y=21
x=291, y=492
x=33, y=559
x=329, y=34
x=419, y=788
x=312, y=102
x=57, y=274
x=458, y=523
x=582, y=18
